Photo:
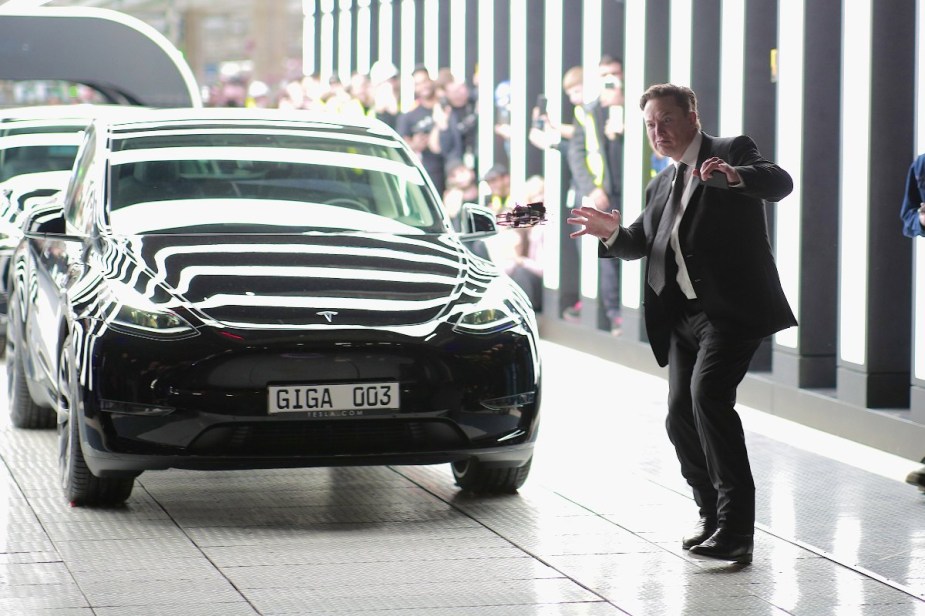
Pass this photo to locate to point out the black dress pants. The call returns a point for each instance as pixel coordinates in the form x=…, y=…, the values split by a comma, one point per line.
x=705, y=367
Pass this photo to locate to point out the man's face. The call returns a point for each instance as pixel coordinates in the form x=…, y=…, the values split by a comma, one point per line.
x=670, y=130
x=457, y=93
x=576, y=94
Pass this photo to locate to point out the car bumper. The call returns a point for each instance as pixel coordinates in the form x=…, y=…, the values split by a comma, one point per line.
x=206, y=407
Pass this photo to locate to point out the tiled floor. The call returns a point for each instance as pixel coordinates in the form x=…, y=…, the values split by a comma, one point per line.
x=596, y=530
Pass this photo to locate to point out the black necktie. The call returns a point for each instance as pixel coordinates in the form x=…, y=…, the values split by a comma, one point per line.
x=657, y=265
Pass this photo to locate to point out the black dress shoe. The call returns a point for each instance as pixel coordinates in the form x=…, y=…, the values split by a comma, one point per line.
x=703, y=530
x=726, y=545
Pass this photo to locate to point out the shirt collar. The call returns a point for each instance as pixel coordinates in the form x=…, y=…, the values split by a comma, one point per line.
x=689, y=157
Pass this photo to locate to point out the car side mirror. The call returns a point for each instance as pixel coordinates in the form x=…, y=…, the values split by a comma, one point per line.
x=45, y=218
x=476, y=222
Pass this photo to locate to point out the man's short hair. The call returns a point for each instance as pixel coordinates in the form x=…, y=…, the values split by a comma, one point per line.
x=573, y=77
x=683, y=95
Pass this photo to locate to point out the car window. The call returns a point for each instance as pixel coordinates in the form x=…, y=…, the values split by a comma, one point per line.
x=264, y=183
x=22, y=153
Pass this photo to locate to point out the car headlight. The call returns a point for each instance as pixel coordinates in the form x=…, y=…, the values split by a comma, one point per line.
x=137, y=315
x=495, y=312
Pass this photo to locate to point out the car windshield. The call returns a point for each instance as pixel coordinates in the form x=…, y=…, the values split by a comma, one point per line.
x=223, y=180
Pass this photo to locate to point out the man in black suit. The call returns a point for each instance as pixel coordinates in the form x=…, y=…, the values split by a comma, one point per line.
x=712, y=294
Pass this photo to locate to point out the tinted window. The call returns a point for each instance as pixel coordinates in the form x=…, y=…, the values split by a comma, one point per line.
x=267, y=182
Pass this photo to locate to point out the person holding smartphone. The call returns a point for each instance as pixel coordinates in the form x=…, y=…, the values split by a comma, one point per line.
x=595, y=158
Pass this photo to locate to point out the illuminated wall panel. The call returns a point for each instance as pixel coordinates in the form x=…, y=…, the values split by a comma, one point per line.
x=855, y=188
x=790, y=154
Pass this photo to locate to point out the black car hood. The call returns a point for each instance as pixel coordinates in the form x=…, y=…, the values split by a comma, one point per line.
x=285, y=281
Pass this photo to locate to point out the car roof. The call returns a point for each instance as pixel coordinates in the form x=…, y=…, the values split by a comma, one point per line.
x=159, y=119
x=64, y=115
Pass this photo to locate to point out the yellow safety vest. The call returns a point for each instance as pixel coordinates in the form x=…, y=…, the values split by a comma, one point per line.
x=593, y=157
x=498, y=204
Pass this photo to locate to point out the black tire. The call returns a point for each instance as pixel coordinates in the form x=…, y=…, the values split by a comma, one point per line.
x=24, y=412
x=474, y=476
x=81, y=487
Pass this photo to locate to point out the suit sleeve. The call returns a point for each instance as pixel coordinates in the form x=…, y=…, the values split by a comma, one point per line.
x=762, y=178
x=909, y=213
x=630, y=243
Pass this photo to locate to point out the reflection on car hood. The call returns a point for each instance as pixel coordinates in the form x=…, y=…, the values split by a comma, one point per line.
x=313, y=280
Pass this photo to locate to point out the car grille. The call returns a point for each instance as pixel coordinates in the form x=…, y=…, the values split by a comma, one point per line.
x=328, y=438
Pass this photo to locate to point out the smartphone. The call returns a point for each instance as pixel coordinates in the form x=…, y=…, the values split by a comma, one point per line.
x=540, y=121
x=718, y=180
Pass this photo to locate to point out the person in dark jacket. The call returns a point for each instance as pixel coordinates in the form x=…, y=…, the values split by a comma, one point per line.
x=712, y=294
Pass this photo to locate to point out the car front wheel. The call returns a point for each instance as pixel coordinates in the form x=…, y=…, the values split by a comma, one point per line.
x=475, y=476
x=81, y=487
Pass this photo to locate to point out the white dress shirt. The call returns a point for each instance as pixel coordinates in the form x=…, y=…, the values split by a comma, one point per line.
x=690, y=159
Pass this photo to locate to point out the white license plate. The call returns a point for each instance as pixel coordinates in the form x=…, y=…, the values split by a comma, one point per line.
x=328, y=401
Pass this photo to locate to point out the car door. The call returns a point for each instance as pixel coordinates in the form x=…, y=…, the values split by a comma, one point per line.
x=56, y=261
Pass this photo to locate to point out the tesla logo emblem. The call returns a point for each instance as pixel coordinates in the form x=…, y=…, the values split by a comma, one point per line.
x=327, y=314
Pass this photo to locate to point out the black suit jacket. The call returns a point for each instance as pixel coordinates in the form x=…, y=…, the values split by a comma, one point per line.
x=724, y=238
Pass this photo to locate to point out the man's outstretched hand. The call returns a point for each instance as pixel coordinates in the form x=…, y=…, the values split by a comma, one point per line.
x=594, y=222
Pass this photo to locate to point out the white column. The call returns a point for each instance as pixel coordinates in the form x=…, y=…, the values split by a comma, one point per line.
x=732, y=68
x=634, y=138
x=486, y=102
x=385, y=32
x=308, y=37
x=432, y=36
x=552, y=85
x=680, y=37
x=345, y=31
x=590, y=59
x=406, y=59
x=458, y=39
x=854, y=197
x=326, y=69
x=364, y=52
x=790, y=154
x=518, y=72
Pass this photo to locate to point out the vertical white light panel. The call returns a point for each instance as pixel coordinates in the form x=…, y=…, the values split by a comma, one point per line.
x=552, y=80
x=432, y=36
x=679, y=58
x=918, y=312
x=790, y=155
x=486, y=101
x=634, y=138
x=308, y=37
x=590, y=59
x=385, y=32
x=732, y=68
x=345, y=31
x=591, y=48
x=364, y=19
x=518, y=72
x=458, y=39
x=406, y=61
x=327, y=40
x=855, y=184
